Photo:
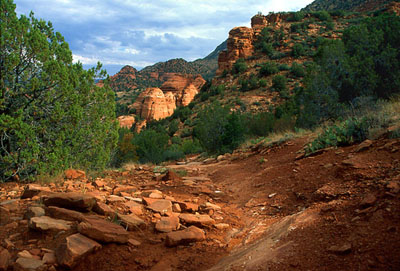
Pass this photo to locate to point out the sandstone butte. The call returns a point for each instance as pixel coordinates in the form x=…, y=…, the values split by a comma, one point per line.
x=241, y=40
x=159, y=103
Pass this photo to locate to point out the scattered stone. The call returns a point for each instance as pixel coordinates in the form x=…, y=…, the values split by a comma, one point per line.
x=99, y=183
x=183, y=237
x=368, y=200
x=5, y=258
x=11, y=205
x=167, y=224
x=103, y=209
x=188, y=207
x=49, y=258
x=155, y=195
x=393, y=186
x=71, y=200
x=134, y=207
x=134, y=242
x=103, y=231
x=341, y=250
x=132, y=222
x=211, y=206
x=272, y=195
x=65, y=214
x=114, y=199
x=25, y=254
x=32, y=190
x=123, y=188
x=74, y=174
x=4, y=216
x=365, y=145
x=34, y=211
x=161, y=206
x=176, y=208
x=29, y=264
x=196, y=219
x=45, y=223
x=74, y=249
x=221, y=226
x=149, y=201
x=171, y=176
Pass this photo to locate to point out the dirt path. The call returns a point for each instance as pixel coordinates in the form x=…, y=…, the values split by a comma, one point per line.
x=339, y=210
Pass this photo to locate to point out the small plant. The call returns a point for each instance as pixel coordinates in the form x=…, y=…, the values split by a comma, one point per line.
x=284, y=67
x=262, y=160
x=268, y=68
x=298, y=50
x=240, y=66
x=279, y=83
x=297, y=70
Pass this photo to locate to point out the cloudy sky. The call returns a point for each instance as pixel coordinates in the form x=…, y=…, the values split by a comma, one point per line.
x=142, y=32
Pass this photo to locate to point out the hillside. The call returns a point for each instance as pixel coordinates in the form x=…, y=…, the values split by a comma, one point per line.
x=348, y=5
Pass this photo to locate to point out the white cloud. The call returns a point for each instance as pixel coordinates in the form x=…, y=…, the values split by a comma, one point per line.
x=142, y=32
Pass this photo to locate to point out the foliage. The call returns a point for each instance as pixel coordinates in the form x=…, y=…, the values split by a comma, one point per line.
x=298, y=50
x=279, y=83
x=151, y=145
x=52, y=115
x=323, y=15
x=296, y=16
x=349, y=132
x=218, y=129
x=240, y=66
x=297, y=70
x=125, y=151
x=269, y=68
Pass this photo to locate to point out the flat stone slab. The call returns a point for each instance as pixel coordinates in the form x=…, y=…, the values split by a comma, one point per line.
x=132, y=222
x=71, y=200
x=103, y=231
x=4, y=216
x=167, y=224
x=186, y=236
x=34, y=211
x=161, y=206
x=65, y=214
x=196, y=219
x=74, y=249
x=32, y=190
x=45, y=223
x=5, y=258
x=29, y=264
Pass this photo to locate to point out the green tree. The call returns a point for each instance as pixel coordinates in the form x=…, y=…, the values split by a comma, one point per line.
x=52, y=115
x=151, y=145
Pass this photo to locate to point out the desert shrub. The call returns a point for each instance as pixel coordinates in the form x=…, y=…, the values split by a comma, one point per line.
x=151, y=145
x=218, y=129
x=173, y=127
x=186, y=132
x=176, y=140
x=125, y=151
x=323, y=15
x=348, y=132
x=299, y=27
x=284, y=67
x=240, y=66
x=260, y=124
x=278, y=55
x=296, y=16
x=269, y=68
x=173, y=152
x=297, y=70
x=279, y=83
x=262, y=83
x=298, y=50
x=190, y=146
x=182, y=112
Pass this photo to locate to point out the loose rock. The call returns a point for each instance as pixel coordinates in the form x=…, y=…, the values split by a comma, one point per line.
x=132, y=222
x=65, y=214
x=71, y=200
x=186, y=236
x=103, y=231
x=167, y=224
x=161, y=206
x=45, y=223
x=4, y=216
x=5, y=258
x=34, y=211
x=196, y=219
x=29, y=264
x=32, y=190
x=74, y=249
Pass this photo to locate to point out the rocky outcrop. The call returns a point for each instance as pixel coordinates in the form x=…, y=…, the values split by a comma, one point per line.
x=240, y=45
x=126, y=121
x=124, y=80
x=159, y=103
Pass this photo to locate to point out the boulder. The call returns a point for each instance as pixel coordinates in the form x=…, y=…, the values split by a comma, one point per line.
x=74, y=249
x=183, y=237
x=32, y=190
x=34, y=211
x=4, y=216
x=132, y=222
x=71, y=200
x=161, y=206
x=103, y=231
x=5, y=258
x=196, y=219
x=167, y=224
x=65, y=214
x=74, y=174
x=29, y=264
x=45, y=223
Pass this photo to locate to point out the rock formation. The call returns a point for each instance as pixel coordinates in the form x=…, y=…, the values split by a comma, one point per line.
x=126, y=121
x=159, y=103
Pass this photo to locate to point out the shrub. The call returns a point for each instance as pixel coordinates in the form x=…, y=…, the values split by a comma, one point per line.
x=240, y=66
x=219, y=130
x=52, y=114
x=279, y=83
x=269, y=68
x=297, y=70
x=323, y=15
x=260, y=124
x=151, y=145
x=190, y=146
x=125, y=151
x=267, y=48
x=296, y=16
x=173, y=127
x=284, y=67
x=298, y=50
x=349, y=132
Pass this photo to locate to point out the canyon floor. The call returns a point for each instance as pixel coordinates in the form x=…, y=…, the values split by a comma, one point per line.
x=265, y=208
